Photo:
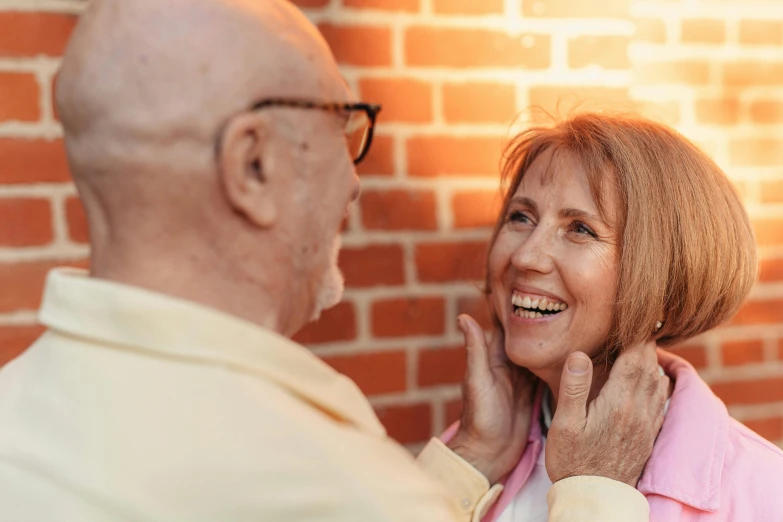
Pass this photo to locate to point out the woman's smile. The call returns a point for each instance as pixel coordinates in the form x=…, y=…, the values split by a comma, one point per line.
x=554, y=267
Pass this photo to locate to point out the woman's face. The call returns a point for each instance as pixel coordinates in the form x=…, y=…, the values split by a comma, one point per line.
x=554, y=254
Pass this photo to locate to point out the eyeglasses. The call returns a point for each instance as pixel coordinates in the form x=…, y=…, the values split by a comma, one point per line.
x=358, y=129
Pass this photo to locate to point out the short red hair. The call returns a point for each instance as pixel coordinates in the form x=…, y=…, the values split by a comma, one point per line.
x=687, y=252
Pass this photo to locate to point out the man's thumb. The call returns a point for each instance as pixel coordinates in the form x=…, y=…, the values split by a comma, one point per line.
x=574, y=390
x=475, y=344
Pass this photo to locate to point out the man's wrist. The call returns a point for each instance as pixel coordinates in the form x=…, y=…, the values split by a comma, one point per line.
x=485, y=462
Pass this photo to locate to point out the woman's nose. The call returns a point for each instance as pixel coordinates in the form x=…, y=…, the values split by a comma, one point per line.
x=535, y=252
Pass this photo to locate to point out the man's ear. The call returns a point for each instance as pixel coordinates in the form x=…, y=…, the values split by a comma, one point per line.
x=242, y=161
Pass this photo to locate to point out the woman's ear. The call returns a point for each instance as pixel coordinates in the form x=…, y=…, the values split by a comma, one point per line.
x=244, y=171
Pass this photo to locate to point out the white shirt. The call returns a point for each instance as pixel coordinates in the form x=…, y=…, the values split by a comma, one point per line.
x=530, y=504
x=135, y=406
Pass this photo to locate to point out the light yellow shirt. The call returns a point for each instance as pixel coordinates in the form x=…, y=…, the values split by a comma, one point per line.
x=136, y=406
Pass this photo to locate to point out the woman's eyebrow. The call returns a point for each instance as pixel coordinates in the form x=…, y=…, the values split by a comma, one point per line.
x=525, y=202
x=578, y=213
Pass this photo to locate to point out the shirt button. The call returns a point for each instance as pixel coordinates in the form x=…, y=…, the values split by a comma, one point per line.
x=465, y=503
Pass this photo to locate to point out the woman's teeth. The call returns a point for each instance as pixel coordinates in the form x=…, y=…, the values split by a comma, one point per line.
x=534, y=307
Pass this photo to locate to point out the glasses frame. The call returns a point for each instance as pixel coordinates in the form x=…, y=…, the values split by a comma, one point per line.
x=370, y=109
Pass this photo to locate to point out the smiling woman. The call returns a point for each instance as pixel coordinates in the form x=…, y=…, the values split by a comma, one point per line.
x=616, y=232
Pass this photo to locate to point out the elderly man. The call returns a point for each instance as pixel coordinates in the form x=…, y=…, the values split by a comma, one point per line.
x=212, y=143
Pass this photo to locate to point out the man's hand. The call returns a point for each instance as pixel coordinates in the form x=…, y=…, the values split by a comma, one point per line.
x=496, y=405
x=615, y=437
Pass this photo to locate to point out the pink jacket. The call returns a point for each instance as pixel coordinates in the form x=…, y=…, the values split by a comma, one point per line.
x=705, y=466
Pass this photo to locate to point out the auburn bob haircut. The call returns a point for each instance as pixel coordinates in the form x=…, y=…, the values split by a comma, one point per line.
x=687, y=253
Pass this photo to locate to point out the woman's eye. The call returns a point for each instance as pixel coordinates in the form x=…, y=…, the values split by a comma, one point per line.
x=518, y=217
x=581, y=228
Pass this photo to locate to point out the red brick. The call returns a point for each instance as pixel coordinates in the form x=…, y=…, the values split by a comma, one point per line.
x=572, y=9
x=359, y=45
x=754, y=391
x=399, y=210
x=407, y=424
x=703, y=31
x=33, y=33
x=15, y=339
x=443, y=156
x=760, y=312
x=772, y=191
x=479, y=102
x=439, y=366
x=468, y=7
x=651, y=30
x=374, y=373
x=375, y=265
x=722, y=111
x=694, y=354
x=770, y=428
x=771, y=270
x=761, y=32
x=769, y=232
x=475, y=48
x=336, y=324
x=25, y=222
x=406, y=317
x=780, y=350
x=19, y=95
x=766, y=112
x=686, y=72
x=380, y=159
x=476, y=209
x=23, y=283
x=453, y=411
x=748, y=73
x=477, y=308
x=561, y=101
x=403, y=99
x=446, y=262
x=742, y=352
x=310, y=4
x=30, y=161
x=756, y=152
x=78, y=229
x=609, y=52
x=409, y=6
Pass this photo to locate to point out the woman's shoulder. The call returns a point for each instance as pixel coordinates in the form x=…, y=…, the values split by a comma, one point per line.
x=752, y=476
x=747, y=450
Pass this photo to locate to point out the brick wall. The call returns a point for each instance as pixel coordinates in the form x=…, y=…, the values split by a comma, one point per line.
x=453, y=75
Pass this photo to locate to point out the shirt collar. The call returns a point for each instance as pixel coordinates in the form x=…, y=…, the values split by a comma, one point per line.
x=125, y=317
x=687, y=460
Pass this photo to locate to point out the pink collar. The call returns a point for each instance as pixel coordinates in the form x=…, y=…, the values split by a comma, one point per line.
x=687, y=460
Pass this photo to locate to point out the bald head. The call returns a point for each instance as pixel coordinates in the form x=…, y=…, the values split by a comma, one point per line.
x=187, y=191
x=153, y=82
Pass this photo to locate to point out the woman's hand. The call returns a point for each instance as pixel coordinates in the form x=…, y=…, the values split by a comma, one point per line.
x=497, y=401
x=614, y=437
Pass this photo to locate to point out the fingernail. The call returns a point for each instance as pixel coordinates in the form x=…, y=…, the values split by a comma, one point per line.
x=577, y=365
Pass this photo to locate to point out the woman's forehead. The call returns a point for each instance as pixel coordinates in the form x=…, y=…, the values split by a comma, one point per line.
x=559, y=177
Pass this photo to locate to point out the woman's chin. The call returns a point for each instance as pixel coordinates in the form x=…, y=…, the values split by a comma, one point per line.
x=534, y=358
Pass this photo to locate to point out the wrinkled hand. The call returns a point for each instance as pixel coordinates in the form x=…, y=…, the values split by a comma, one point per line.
x=615, y=436
x=496, y=405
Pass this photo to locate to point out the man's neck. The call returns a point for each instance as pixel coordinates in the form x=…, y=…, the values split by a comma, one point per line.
x=196, y=280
